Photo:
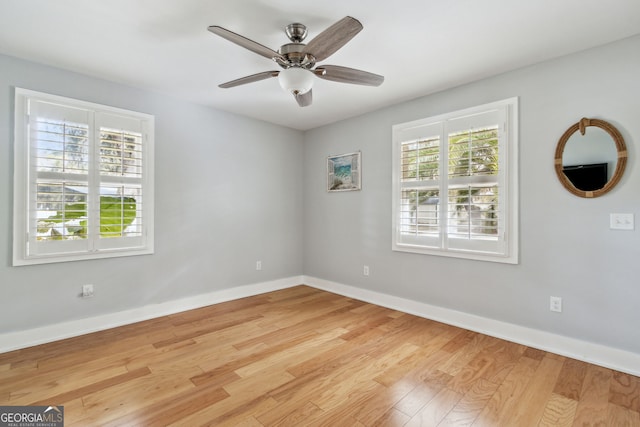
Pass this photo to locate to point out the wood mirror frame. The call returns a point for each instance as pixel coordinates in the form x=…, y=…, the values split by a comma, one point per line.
x=620, y=164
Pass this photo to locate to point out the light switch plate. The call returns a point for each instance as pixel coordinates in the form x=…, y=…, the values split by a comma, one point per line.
x=621, y=221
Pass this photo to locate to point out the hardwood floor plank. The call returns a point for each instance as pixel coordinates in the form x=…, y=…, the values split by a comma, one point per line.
x=221, y=362
x=346, y=408
x=244, y=401
x=571, y=379
x=183, y=335
x=507, y=396
x=86, y=348
x=559, y=411
x=284, y=296
x=417, y=398
x=391, y=418
x=593, y=407
x=253, y=355
x=240, y=414
x=537, y=393
x=429, y=329
x=302, y=319
x=186, y=353
x=306, y=357
x=465, y=354
x=625, y=391
x=249, y=422
x=177, y=408
x=470, y=374
x=415, y=363
x=471, y=405
x=460, y=341
x=534, y=353
x=295, y=394
x=361, y=377
x=106, y=405
x=436, y=409
x=378, y=405
x=308, y=385
x=370, y=343
x=299, y=416
x=78, y=392
x=51, y=384
x=295, y=354
x=504, y=357
x=622, y=417
x=369, y=323
x=205, y=315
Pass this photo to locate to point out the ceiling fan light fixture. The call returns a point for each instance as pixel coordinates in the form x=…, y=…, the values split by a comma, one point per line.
x=296, y=80
x=298, y=60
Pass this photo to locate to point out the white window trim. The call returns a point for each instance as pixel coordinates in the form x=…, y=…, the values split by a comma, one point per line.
x=21, y=203
x=508, y=187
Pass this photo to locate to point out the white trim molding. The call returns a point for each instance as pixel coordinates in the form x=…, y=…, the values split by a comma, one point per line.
x=585, y=351
x=597, y=354
x=42, y=335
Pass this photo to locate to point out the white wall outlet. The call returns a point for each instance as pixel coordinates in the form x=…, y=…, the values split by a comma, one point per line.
x=365, y=270
x=87, y=291
x=258, y=265
x=621, y=221
x=555, y=304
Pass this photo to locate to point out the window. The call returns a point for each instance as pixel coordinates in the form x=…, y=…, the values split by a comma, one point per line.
x=83, y=182
x=455, y=184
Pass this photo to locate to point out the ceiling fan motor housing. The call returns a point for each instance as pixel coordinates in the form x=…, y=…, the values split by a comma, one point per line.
x=295, y=57
x=296, y=32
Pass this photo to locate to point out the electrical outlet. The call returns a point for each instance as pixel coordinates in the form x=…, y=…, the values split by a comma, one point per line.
x=258, y=265
x=555, y=304
x=365, y=270
x=87, y=291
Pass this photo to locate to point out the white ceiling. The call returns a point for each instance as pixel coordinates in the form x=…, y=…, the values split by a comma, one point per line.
x=420, y=46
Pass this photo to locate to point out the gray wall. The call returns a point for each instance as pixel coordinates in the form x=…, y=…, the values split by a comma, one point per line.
x=566, y=248
x=228, y=193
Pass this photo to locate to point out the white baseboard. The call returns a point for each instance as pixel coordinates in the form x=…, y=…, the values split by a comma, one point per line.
x=597, y=354
x=27, y=338
x=620, y=360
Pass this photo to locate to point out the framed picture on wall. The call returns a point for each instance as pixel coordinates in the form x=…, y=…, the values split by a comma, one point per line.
x=344, y=172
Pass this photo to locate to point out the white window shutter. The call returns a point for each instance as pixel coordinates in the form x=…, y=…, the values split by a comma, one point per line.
x=454, y=177
x=84, y=184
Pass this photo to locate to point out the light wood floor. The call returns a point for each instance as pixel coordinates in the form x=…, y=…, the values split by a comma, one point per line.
x=305, y=357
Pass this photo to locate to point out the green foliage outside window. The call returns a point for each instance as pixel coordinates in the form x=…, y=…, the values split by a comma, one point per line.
x=116, y=214
x=471, y=153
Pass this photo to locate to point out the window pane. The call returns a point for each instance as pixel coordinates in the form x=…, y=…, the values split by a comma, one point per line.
x=61, y=212
x=61, y=146
x=120, y=211
x=473, y=152
x=420, y=160
x=120, y=153
x=419, y=212
x=473, y=212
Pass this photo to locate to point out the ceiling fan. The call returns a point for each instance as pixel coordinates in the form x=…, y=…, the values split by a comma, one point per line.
x=298, y=59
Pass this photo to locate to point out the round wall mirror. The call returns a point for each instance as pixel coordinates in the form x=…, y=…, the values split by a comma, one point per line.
x=590, y=158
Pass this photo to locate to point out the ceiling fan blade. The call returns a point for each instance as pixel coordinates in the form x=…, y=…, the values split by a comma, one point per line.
x=249, y=79
x=245, y=42
x=340, y=74
x=333, y=38
x=304, y=99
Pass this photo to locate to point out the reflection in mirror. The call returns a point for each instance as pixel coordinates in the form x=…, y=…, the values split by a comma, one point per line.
x=590, y=158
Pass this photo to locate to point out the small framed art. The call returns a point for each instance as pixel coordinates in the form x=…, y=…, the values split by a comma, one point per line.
x=344, y=172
